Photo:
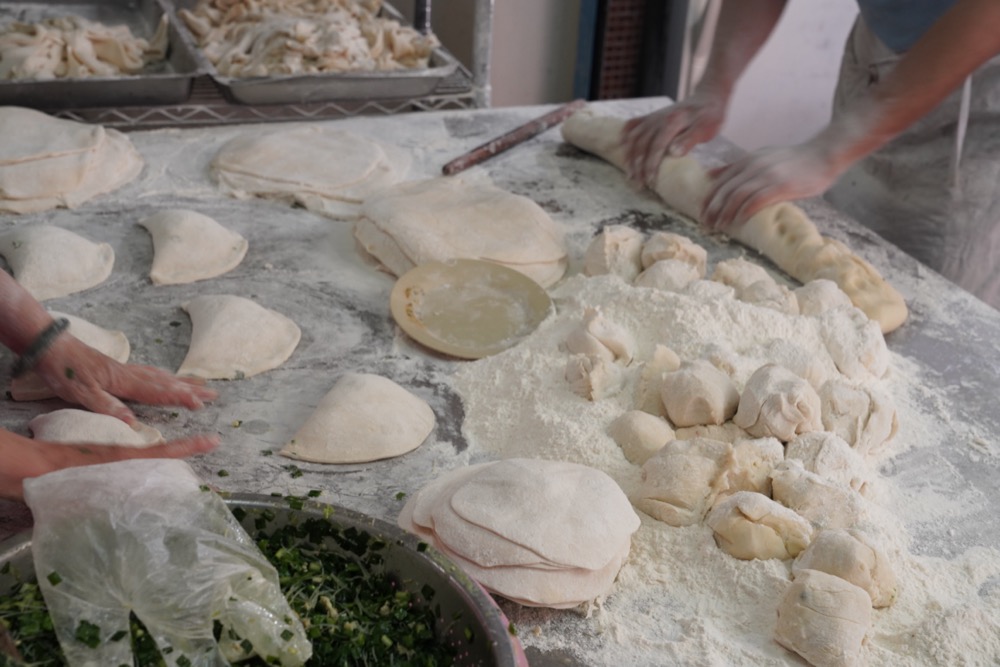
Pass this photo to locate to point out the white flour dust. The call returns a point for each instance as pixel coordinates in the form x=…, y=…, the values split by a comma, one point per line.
x=680, y=599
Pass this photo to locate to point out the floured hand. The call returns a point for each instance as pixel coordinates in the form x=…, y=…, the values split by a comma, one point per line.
x=82, y=375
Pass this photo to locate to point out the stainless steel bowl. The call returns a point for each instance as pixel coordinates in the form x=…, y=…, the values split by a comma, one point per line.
x=481, y=634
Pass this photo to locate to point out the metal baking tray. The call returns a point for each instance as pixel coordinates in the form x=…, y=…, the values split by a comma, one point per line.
x=470, y=615
x=168, y=82
x=305, y=88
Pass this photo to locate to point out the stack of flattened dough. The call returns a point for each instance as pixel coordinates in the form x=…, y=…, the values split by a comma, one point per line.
x=783, y=232
x=440, y=219
x=541, y=533
x=47, y=162
x=325, y=170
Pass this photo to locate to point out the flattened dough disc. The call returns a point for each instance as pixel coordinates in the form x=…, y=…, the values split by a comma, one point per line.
x=468, y=308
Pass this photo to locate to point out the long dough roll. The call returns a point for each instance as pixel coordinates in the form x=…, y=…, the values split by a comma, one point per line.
x=782, y=232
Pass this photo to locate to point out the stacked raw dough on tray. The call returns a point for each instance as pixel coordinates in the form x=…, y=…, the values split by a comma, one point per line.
x=47, y=162
x=774, y=460
x=72, y=47
x=286, y=37
x=541, y=533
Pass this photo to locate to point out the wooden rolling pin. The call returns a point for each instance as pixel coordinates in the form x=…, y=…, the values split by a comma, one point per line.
x=516, y=136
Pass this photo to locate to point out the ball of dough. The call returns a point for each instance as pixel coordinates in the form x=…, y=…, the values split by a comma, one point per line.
x=811, y=367
x=669, y=275
x=750, y=526
x=853, y=556
x=640, y=435
x=593, y=378
x=362, y=418
x=824, y=619
x=616, y=249
x=647, y=391
x=830, y=457
x=709, y=290
x=667, y=245
x=777, y=402
x=820, y=295
x=855, y=343
x=863, y=416
x=750, y=466
x=600, y=338
x=699, y=393
x=739, y=273
x=769, y=294
x=680, y=482
x=728, y=432
x=825, y=503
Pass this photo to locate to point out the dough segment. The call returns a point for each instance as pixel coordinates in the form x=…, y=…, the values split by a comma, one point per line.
x=51, y=262
x=75, y=426
x=362, y=418
x=233, y=338
x=783, y=232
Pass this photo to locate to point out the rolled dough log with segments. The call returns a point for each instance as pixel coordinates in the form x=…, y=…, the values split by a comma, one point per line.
x=782, y=232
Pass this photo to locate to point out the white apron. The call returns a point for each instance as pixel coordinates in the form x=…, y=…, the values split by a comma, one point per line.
x=936, y=198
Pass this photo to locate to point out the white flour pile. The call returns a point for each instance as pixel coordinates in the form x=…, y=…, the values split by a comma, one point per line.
x=680, y=599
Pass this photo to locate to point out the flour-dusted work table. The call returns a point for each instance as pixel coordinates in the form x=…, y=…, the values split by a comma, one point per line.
x=946, y=463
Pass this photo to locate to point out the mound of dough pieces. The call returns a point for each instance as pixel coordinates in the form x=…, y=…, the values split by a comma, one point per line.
x=189, y=246
x=323, y=169
x=783, y=232
x=50, y=262
x=48, y=162
x=541, y=533
x=439, y=219
x=362, y=418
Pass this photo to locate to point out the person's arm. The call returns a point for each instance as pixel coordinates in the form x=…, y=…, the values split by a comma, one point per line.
x=23, y=458
x=964, y=38
x=742, y=29
x=80, y=374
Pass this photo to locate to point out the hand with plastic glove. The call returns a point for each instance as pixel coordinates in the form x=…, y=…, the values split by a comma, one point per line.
x=765, y=177
x=147, y=537
x=671, y=132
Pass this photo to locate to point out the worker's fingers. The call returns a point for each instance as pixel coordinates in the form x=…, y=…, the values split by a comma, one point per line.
x=155, y=386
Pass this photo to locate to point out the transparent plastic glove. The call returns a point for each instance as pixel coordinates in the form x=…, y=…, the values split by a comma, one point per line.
x=765, y=177
x=672, y=131
x=143, y=536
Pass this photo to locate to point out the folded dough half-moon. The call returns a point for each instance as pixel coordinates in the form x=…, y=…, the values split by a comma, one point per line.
x=362, y=418
x=50, y=262
x=190, y=246
x=80, y=426
x=30, y=387
x=233, y=338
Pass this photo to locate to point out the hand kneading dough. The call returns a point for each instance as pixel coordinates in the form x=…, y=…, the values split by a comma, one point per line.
x=681, y=480
x=80, y=426
x=363, y=418
x=824, y=619
x=541, y=533
x=750, y=526
x=699, y=393
x=189, y=246
x=234, y=338
x=616, y=249
x=438, y=219
x=326, y=170
x=599, y=338
x=667, y=245
x=640, y=435
x=783, y=232
x=50, y=262
x=852, y=556
x=47, y=162
x=777, y=402
x=30, y=387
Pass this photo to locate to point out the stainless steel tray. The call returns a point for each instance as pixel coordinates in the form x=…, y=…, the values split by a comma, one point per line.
x=307, y=88
x=471, y=617
x=168, y=82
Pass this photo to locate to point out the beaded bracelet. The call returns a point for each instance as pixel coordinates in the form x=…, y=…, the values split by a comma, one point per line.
x=34, y=353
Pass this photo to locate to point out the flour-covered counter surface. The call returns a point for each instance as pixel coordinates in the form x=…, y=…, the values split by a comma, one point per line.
x=679, y=599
